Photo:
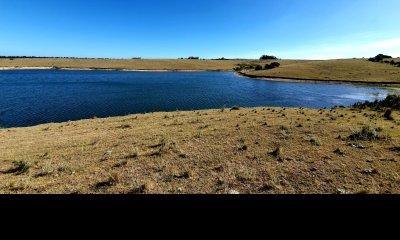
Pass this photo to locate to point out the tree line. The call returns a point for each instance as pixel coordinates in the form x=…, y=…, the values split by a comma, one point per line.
x=380, y=58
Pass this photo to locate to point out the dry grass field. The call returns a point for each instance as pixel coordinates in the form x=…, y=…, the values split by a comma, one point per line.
x=247, y=150
x=352, y=70
x=123, y=64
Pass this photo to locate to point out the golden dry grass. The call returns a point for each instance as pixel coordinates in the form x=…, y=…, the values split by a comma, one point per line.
x=343, y=70
x=251, y=150
x=135, y=64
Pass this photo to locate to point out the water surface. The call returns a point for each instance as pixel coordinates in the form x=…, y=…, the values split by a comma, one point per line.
x=32, y=97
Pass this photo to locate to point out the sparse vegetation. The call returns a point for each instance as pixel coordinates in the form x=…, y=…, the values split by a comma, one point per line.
x=392, y=101
x=237, y=151
x=346, y=70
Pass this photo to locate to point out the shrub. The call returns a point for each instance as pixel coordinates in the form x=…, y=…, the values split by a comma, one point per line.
x=388, y=115
x=272, y=65
x=391, y=101
x=268, y=57
x=258, y=68
x=367, y=133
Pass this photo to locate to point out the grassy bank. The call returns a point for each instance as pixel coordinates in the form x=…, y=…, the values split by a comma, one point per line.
x=349, y=70
x=249, y=150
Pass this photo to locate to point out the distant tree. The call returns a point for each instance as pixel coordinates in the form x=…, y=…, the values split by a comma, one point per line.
x=268, y=57
x=379, y=58
x=194, y=58
x=383, y=56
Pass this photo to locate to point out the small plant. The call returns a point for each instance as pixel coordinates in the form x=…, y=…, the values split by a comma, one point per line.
x=278, y=152
x=314, y=140
x=235, y=108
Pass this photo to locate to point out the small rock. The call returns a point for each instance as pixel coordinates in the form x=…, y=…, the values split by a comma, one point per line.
x=107, y=155
x=369, y=171
x=357, y=146
x=233, y=192
x=342, y=191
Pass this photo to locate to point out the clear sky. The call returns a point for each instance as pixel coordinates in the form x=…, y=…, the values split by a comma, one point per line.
x=302, y=29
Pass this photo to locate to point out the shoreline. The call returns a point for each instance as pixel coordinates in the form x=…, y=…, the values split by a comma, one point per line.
x=106, y=69
x=319, y=81
x=394, y=85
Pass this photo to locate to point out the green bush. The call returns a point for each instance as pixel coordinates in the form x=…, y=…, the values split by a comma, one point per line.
x=391, y=101
x=272, y=65
x=258, y=68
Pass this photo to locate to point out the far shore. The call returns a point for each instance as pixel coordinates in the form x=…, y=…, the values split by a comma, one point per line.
x=105, y=69
x=320, y=81
x=340, y=71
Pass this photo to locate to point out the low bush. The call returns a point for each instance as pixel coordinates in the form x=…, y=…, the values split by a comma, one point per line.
x=367, y=133
x=272, y=65
x=258, y=68
x=391, y=101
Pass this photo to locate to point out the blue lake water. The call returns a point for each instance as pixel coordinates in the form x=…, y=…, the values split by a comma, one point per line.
x=32, y=97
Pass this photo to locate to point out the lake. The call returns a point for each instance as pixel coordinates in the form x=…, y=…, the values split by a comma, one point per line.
x=32, y=97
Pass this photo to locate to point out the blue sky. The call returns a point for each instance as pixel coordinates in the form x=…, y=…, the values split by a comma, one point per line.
x=306, y=29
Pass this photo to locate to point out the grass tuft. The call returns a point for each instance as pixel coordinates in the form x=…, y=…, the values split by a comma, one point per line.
x=367, y=133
